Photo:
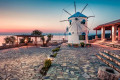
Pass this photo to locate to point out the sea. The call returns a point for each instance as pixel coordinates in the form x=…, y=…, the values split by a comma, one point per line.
x=56, y=36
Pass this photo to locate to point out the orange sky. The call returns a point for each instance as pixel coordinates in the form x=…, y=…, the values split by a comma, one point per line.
x=18, y=21
x=26, y=23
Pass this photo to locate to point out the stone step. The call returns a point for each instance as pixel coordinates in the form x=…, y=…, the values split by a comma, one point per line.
x=108, y=62
x=112, y=54
x=110, y=57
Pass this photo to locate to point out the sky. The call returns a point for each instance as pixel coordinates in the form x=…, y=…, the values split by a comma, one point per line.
x=45, y=15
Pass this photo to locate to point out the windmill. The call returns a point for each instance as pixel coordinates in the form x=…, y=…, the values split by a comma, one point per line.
x=78, y=29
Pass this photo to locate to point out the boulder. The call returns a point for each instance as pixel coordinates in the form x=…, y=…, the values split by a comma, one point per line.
x=107, y=73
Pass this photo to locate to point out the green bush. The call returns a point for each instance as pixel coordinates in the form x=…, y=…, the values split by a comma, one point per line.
x=55, y=50
x=47, y=63
x=75, y=45
x=82, y=44
x=88, y=44
x=54, y=55
x=22, y=41
x=43, y=71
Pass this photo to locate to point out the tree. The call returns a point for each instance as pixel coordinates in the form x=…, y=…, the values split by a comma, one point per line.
x=43, y=39
x=49, y=37
x=12, y=40
x=9, y=40
x=36, y=32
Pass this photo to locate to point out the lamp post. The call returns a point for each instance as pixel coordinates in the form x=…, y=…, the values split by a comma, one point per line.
x=63, y=39
x=49, y=58
x=16, y=42
x=26, y=42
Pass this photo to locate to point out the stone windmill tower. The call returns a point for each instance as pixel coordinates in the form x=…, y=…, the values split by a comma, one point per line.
x=77, y=30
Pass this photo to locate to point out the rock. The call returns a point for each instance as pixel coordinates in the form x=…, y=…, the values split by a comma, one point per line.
x=81, y=78
x=1, y=78
x=104, y=74
x=86, y=75
x=64, y=64
x=14, y=79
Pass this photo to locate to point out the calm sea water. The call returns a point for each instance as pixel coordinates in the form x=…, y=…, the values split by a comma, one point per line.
x=55, y=37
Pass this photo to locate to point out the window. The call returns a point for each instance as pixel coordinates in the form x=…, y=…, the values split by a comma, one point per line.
x=83, y=21
x=67, y=29
x=70, y=21
x=69, y=33
x=81, y=37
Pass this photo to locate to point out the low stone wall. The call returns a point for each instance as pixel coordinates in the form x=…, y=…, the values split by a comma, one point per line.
x=54, y=44
x=92, y=41
x=11, y=46
x=111, y=45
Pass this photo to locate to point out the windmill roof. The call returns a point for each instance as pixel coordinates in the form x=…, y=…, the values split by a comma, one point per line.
x=77, y=14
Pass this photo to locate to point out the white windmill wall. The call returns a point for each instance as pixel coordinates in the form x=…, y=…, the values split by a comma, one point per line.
x=74, y=37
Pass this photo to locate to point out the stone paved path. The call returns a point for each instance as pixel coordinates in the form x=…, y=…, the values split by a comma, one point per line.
x=23, y=63
x=76, y=64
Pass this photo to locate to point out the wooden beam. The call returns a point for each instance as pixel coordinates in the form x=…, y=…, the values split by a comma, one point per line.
x=96, y=32
x=36, y=41
x=17, y=40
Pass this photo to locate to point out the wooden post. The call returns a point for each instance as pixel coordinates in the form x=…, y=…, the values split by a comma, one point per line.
x=113, y=33
x=102, y=33
x=118, y=33
x=36, y=41
x=96, y=32
x=96, y=37
x=17, y=40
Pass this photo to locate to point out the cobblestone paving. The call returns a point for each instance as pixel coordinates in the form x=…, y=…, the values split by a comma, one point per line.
x=22, y=63
x=76, y=63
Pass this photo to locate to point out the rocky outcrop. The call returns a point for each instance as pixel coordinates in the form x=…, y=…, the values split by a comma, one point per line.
x=106, y=73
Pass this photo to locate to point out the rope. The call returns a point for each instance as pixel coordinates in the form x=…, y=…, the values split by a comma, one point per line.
x=91, y=11
x=93, y=15
x=61, y=16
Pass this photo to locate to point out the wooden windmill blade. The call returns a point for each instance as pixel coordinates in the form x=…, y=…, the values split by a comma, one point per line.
x=67, y=29
x=86, y=27
x=71, y=25
x=75, y=6
x=79, y=27
x=67, y=12
x=64, y=20
x=84, y=8
x=90, y=16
